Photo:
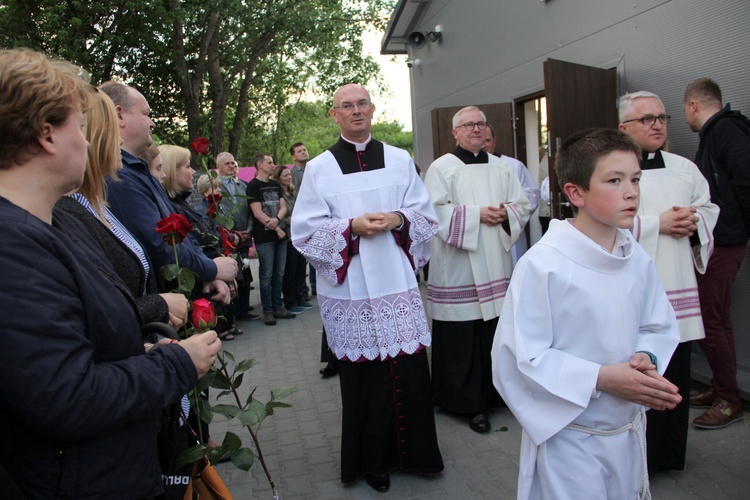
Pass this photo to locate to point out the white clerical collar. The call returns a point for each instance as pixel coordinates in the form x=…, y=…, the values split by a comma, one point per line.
x=359, y=146
x=621, y=241
x=651, y=156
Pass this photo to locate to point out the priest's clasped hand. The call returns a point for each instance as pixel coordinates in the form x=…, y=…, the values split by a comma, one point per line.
x=493, y=216
x=678, y=222
x=369, y=224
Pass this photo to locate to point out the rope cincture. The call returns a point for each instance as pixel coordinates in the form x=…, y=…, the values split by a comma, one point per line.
x=637, y=425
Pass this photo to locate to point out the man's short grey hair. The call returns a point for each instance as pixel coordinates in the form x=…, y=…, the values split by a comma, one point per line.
x=119, y=93
x=457, y=116
x=626, y=102
x=220, y=157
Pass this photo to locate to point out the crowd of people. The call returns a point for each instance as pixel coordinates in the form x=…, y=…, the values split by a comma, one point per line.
x=577, y=335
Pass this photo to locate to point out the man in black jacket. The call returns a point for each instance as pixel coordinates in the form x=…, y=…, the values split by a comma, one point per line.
x=724, y=159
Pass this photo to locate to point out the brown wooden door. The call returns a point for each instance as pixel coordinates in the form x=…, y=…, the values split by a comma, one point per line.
x=578, y=97
x=498, y=115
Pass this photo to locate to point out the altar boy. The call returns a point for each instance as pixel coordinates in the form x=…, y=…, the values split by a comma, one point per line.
x=586, y=333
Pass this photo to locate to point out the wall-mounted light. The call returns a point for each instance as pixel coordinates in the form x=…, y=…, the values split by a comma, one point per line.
x=417, y=39
x=436, y=35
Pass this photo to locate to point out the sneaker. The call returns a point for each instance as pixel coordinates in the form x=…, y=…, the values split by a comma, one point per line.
x=295, y=310
x=268, y=318
x=283, y=314
x=305, y=305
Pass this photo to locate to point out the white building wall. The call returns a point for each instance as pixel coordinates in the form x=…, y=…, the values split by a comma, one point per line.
x=493, y=51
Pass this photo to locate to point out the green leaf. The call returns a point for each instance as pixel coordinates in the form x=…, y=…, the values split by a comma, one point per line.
x=275, y=404
x=247, y=417
x=185, y=280
x=207, y=380
x=229, y=411
x=245, y=365
x=220, y=382
x=191, y=455
x=283, y=392
x=215, y=454
x=205, y=410
x=169, y=272
x=253, y=413
x=223, y=393
x=231, y=442
x=228, y=355
x=243, y=458
x=237, y=380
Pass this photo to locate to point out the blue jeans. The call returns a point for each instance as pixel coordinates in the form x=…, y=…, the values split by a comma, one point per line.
x=271, y=262
x=313, y=278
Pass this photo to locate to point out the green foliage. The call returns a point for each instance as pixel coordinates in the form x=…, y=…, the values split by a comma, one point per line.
x=251, y=415
x=223, y=69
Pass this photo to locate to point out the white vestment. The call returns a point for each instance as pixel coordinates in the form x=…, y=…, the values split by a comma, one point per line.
x=531, y=190
x=376, y=311
x=471, y=262
x=679, y=184
x=571, y=308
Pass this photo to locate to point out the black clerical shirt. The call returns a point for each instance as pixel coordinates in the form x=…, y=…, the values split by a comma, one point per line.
x=352, y=161
x=468, y=157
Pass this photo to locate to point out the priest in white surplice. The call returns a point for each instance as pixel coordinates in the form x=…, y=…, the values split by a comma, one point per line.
x=482, y=209
x=674, y=225
x=363, y=220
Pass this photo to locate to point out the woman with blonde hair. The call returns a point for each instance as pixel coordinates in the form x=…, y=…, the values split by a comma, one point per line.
x=79, y=396
x=178, y=184
x=89, y=205
x=176, y=166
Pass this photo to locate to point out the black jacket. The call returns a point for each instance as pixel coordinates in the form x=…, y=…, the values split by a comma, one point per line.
x=127, y=265
x=724, y=159
x=78, y=396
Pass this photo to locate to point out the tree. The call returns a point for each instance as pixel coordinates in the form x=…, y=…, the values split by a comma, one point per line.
x=222, y=68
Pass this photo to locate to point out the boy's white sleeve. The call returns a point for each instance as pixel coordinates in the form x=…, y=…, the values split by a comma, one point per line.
x=544, y=387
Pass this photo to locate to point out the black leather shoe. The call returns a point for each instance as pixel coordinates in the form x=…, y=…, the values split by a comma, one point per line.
x=480, y=423
x=329, y=371
x=378, y=482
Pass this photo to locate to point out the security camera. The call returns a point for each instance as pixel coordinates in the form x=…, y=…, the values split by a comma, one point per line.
x=416, y=39
x=412, y=63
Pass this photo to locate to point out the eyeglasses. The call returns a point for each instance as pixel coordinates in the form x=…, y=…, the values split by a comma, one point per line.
x=650, y=119
x=471, y=125
x=349, y=106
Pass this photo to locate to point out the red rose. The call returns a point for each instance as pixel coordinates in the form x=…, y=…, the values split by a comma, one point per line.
x=213, y=204
x=175, y=225
x=200, y=146
x=203, y=315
